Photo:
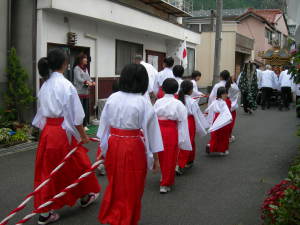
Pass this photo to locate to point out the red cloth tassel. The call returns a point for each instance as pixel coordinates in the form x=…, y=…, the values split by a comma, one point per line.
x=160, y=93
x=52, y=148
x=188, y=156
x=126, y=167
x=168, y=157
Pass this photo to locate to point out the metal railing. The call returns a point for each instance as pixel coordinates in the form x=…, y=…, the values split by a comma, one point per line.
x=183, y=5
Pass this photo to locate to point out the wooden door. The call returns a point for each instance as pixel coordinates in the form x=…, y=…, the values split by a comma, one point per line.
x=155, y=58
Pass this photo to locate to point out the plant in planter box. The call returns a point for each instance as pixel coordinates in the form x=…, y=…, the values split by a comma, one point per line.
x=5, y=134
x=19, y=137
x=6, y=118
x=282, y=207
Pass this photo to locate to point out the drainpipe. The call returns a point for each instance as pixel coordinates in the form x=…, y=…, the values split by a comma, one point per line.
x=9, y=8
x=34, y=41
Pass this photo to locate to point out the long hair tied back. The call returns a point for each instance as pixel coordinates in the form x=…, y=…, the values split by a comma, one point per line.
x=225, y=75
x=185, y=88
x=54, y=61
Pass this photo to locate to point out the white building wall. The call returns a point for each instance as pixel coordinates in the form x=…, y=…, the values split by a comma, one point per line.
x=53, y=29
x=111, y=12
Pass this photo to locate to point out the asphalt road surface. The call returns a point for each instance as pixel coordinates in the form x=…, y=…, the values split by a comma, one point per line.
x=216, y=191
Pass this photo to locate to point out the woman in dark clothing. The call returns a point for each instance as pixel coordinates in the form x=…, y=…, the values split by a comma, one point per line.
x=249, y=87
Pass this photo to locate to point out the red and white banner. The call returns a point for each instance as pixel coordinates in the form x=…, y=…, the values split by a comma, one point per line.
x=182, y=54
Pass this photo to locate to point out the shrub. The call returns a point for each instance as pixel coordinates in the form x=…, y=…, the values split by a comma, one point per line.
x=18, y=95
x=282, y=206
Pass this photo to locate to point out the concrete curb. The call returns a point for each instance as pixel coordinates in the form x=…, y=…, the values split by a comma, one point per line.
x=28, y=146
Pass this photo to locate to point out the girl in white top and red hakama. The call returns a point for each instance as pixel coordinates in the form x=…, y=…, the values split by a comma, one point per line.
x=167, y=72
x=220, y=119
x=130, y=139
x=233, y=96
x=197, y=124
x=196, y=76
x=172, y=116
x=60, y=116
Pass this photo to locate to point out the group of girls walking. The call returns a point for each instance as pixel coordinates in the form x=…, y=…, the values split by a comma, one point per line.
x=134, y=136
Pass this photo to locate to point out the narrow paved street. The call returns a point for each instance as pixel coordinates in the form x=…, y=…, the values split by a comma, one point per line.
x=217, y=191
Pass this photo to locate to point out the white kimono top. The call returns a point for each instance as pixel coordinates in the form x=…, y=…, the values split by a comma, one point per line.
x=194, y=109
x=224, y=118
x=285, y=79
x=296, y=89
x=59, y=98
x=196, y=92
x=233, y=94
x=152, y=74
x=164, y=74
x=130, y=112
x=258, y=74
x=169, y=108
x=269, y=79
x=179, y=81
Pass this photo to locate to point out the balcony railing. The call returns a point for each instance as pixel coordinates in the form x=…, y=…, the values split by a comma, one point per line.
x=180, y=8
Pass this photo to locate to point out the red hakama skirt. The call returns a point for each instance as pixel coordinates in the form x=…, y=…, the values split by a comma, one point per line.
x=233, y=122
x=126, y=168
x=53, y=147
x=188, y=156
x=168, y=157
x=219, y=139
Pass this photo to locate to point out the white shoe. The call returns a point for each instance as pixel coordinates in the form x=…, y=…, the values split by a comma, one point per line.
x=92, y=198
x=101, y=169
x=232, y=139
x=86, y=129
x=224, y=153
x=53, y=217
x=178, y=171
x=164, y=189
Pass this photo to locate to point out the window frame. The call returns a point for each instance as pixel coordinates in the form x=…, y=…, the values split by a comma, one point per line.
x=116, y=52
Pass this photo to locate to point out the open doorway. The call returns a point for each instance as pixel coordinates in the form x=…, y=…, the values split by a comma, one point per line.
x=71, y=52
x=156, y=59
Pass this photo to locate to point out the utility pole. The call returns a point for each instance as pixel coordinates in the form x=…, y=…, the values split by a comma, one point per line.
x=218, y=40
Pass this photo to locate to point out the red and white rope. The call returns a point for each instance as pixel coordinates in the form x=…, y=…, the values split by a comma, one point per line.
x=61, y=194
x=30, y=196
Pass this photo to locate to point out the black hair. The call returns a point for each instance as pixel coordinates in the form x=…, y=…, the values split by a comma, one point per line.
x=115, y=86
x=185, y=88
x=54, y=61
x=134, y=79
x=257, y=66
x=286, y=67
x=221, y=91
x=178, y=71
x=169, y=62
x=170, y=86
x=225, y=75
x=80, y=57
x=195, y=74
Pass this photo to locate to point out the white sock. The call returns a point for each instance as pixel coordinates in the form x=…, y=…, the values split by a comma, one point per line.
x=45, y=214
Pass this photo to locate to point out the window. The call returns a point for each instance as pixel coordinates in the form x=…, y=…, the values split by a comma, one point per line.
x=125, y=53
x=191, y=62
x=206, y=28
x=268, y=35
x=285, y=41
x=194, y=27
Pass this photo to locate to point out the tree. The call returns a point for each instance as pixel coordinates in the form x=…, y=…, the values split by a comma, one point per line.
x=18, y=95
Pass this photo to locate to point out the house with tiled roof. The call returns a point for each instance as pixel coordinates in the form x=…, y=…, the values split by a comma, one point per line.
x=265, y=26
x=246, y=34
